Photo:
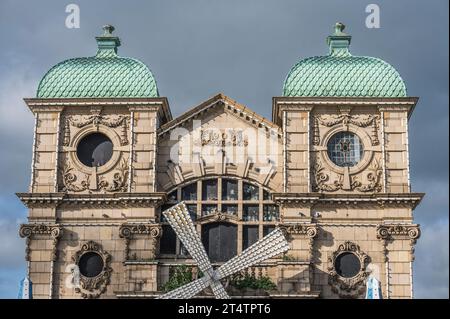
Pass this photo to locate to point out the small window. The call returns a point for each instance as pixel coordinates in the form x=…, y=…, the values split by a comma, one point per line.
x=189, y=192
x=266, y=195
x=209, y=190
x=208, y=209
x=250, y=236
x=172, y=197
x=347, y=265
x=345, y=149
x=270, y=213
x=267, y=229
x=95, y=150
x=251, y=192
x=229, y=189
x=168, y=242
x=192, y=209
x=251, y=213
x=183, y=250
x=230, y=209
x=91, y=264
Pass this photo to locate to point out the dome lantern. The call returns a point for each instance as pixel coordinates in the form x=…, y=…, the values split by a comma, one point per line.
x=341, y=74
x=105, y=75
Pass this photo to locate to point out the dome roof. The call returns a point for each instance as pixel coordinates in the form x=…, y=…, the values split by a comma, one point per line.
x=101, y=76
x=341, y=74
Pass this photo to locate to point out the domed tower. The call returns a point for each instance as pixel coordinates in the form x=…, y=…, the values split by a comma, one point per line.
x=93, y=196
x=346, y=170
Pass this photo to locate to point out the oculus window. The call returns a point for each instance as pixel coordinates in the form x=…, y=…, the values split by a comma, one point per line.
x=91, y=264
x=95, y=150
x=345, y=149
x=347, y=265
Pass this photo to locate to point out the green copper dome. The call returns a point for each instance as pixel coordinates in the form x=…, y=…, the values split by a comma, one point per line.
x=340, y=74
x=104, y=75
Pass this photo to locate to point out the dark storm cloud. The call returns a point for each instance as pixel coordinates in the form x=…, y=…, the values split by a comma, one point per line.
x=244, y=49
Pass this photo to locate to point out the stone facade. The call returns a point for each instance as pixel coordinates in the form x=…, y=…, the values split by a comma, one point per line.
x=325, y=210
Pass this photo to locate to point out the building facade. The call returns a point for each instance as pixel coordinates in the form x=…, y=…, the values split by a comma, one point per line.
x=331, y=170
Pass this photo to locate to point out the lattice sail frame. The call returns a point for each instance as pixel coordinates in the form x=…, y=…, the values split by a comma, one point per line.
x=178, y=217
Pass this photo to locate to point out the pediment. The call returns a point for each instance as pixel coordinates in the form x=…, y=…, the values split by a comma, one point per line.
x=215, y=106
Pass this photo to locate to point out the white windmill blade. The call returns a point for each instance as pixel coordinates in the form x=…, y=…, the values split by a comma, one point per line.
x=178, y=217
x=271, y=245
x=187, y=291
x=218, y=289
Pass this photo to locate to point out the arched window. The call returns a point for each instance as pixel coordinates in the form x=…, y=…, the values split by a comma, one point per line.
x=254, y=215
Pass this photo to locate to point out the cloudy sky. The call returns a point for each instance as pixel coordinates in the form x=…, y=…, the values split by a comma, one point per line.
x=243, y=48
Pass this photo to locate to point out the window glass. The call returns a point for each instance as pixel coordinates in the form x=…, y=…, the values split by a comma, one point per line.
x=229, y=189
x=270, y=213
x=250, y=192
x=189, y=192
x=209, y=189
x=251, y=213
x=345, y=149
x=95, y=150
x=250, y=236
x=347, y=265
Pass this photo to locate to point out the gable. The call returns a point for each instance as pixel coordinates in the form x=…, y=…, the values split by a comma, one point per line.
x=218, y=138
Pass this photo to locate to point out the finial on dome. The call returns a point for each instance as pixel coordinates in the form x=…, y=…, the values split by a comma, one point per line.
x=107, y=42
x=339, y=41
x=108, y=30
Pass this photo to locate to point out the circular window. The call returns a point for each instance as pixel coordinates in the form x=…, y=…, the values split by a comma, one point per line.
x=90, y=264
x=94, y=150
x=347, y=265
x=345, y=149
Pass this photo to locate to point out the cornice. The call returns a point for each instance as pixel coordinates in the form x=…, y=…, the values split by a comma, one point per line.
x=280, y=103
x=32, y=200
x=381, y=199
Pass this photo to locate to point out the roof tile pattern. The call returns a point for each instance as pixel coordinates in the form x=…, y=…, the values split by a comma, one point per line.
x=341, y=74
x=105, y=75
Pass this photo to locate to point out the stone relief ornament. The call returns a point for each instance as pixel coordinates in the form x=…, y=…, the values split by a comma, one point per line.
x=215, y=138
x=119, y=182
x=348, y=287
x=308, y=230
x=93, y=287
x=374, y=176
x=112, y=121
x=70, y=179
x=54, y=231
x=321, y=179
x=345, y=119
x=388, y=232
x=128, y=231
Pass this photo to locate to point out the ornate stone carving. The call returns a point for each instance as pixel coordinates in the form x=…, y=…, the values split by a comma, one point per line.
x=374, y=176
x=92, y=287
x=215, y=138
x=388, y=232
x=66, y=140
x=52, y=230
x=321, y=179
x=218, y=217
x=127, y=231
x=107, y=120
x=345, y=119
x=348, y=287
x=119, y=182
x=69, y=180
x=308, y=230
